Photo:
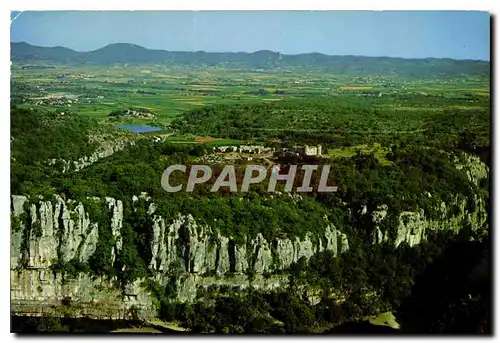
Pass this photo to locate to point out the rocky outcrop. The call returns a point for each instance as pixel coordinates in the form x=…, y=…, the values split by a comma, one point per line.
x=55, y=232
x=116, y=210
x=413, y=226
x=472, y=166
x=102, y=152
x=51, y=232
x=203, y=252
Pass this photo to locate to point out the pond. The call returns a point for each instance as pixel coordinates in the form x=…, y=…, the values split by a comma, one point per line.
x=140, y=128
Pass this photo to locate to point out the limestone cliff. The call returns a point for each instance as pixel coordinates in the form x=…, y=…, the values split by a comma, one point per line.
x=104, y=150
x=45, y=232
x=413, y=226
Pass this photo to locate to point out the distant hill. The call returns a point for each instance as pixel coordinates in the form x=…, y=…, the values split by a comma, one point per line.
x=121, y=53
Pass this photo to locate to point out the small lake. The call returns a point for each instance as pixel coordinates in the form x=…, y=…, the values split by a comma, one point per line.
x=140, y=128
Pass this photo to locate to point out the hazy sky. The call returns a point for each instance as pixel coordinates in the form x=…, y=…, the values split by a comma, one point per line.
x=460, y=35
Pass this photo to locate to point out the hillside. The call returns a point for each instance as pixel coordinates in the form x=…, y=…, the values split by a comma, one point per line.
x=121, y=53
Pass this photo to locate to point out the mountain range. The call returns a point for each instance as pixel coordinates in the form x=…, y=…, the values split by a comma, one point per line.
x=124, y=53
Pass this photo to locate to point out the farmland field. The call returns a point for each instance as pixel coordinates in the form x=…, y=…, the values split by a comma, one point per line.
x=404, y=105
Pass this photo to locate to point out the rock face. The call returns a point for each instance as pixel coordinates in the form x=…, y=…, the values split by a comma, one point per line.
x=85, y=161
x=203, y=252
x=472, y=166
x=413, y=227
x=49, y=232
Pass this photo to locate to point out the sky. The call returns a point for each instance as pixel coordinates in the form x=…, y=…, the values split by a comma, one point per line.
x=408, y=34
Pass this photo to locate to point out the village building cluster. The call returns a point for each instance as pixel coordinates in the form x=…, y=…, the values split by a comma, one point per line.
x=305, y=150
x=245, y=149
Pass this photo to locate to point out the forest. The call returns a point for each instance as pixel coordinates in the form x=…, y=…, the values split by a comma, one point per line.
x=347, y=121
